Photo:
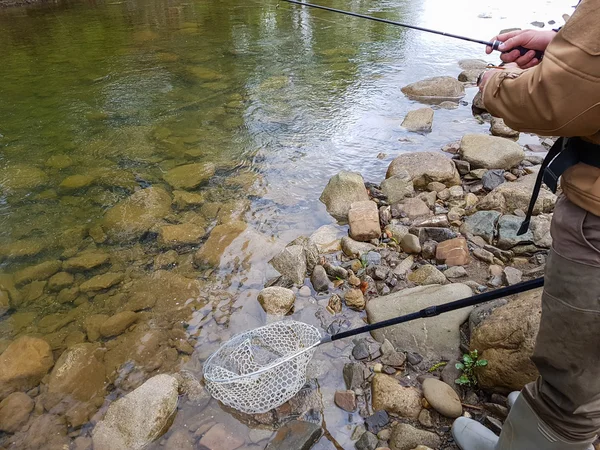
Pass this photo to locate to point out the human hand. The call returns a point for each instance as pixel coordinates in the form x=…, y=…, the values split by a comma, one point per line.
x=485, y=76
x=531, y=39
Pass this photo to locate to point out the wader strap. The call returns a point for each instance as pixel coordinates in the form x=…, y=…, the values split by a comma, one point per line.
x=552, y=153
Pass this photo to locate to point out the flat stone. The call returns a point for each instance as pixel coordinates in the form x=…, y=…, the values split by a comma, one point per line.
x=277, y=300
x=117, y=324
x=481, y=223
x=410, y=244
x=471, y=63
x=219, y=239
x=507, y=232
x=377, y=421
x=432, y=337
x=291, y=263
x=411, y=208
x=22, y=248
x=419, y=120
x=355, y=249
x=185, y=199
x=509, y=197
x=367, y=441
x=455, y=272
x=341, y=191
x=512, y=275
x=183, y=234
x=60, y=281
x=443, y=88
x=354, y=375
x=391, y=396
x=74, y=182
x=491, y=179
x=327, y=239
x=397, y=187
x=499, y=128
x=219, y=437
x=453, y=252
x=138, y=418
x=101, y=282
x=427, y=274
x=296, y=435
x=490, y=152
x=361, y=351
x=189, y=176
x=435, y=234
x=86, y=261
x=425, y=167
x=407, y=437
x=41, y=271
x=363, y=218
x=483, y=255
x=345, y=400
x=442, y=398
x=21, y=176
x=15, y=411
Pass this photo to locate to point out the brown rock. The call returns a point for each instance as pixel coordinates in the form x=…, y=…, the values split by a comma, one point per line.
x=442, y=398
x=407, y=437
x=220, y=238
x=118, y=323
x=355, y=299
x=335, y=304
x=184, y=199
x=363, y=219
x=38, y=272
x=101, y=282
x=506, y=340
x=411, y=244
x=277, y=300
x=419, y=120
x=14, y=411
x=189, y=176
x=345, y=400
x=411, y=208
x=23, y=364
x=180, y=440
x=85, y=261
x=453, y=252
x=59, y=281
x=389, y=395
x=218, y=437
x=92, y=326
x=184, y=234
x=425, y=167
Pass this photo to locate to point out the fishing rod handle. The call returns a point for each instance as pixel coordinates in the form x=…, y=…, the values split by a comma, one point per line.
x=522, y=50
x=433, y=311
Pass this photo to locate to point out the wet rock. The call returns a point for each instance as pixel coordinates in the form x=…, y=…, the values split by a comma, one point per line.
x=431, y=337
x=117, y=324
x=134, y=216
x=354, y=375
x=425, y=167
x=21, y=176
x=165, y=260
x=469, y=75
x=512, y=276
x=327, y=239
x=490, y=152
x=319, y=279
x=355, y=299
x=442, y=398
x=77, y=377
x=419, y=120
x=509, y=197
x=291, y=263
x=92, y=326
x=397, y=187
x=41, y=271
x=492, y=179
x=341, y=191
x=482, y=223
x=345, y=400
x=50, y=433
x=276, y=300
x=367, y=441
x=59, y=162
x=427, y=274
x=499, y=128
x=14, y=411
x=335, y=304
x=23, y=364
x=220, y=238
x=22, y=248
x=411, y=208
x=140, y=417
x=355, y=249
x=75, y=182
x=4, y=303
x=86, y=261
x=478, y=102
x=540, y=227
x=447, y=88
x=453, y=252
x=455, y=272
x=296, y=435
x=219, y=437
x=410, y=244
x=189, y=176
x=435, y=234
x=183, y=199
x=180, y=440
x=60, y=281
x=392, y=397
x=506, y=339
x=377, y=421
x=101, y=282
x=407, y=437
x=183, y=234
x=507, y=232
x=363, y=218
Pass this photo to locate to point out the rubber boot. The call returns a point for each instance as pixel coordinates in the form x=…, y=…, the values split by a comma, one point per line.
x=523, y=430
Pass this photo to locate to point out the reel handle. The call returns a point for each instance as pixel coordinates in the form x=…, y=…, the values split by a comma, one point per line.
x=522, y=50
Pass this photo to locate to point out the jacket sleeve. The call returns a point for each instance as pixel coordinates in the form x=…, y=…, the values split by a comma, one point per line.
x=561, y=95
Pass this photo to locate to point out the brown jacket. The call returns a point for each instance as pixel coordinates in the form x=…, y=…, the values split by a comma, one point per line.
x=559, y=97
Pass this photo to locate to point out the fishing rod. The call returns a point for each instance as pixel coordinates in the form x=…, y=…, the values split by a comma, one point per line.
x=494, y=45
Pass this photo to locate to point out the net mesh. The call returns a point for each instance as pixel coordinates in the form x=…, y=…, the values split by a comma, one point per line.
x=230, y=373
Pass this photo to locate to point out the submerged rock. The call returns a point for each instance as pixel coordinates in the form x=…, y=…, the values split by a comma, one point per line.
x=189, y=176
x=296, y=435
x=490, y=152
x=183, y=234
x=22, y=248
x=23, y=364
x=137, y=419
x=277, y=300
x=14, y=411
x=433, y=337
x=219, y=239
x=41, y=271
x=341, y=191
x=21, y=176
x=101, y=282
x=437, y=87
x=419, y=120
x=425, y=167
x=327, y=239
x=220, y=437
x=117, y=324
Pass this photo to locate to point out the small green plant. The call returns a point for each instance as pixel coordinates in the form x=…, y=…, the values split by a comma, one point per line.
x=470, y=363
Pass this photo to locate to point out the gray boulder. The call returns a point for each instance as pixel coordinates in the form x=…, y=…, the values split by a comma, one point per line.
x=443, y=88
x=398, y=186
x=490, y=152
x=419, y=120
x=342, y=190
x=482, y=223
x=507, y=232
x=425, y=167
x=291, y=262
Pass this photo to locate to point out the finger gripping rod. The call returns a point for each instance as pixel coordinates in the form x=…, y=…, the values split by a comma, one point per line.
x=494, y=44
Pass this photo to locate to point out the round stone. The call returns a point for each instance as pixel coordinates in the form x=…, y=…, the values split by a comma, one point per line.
x=442, y=398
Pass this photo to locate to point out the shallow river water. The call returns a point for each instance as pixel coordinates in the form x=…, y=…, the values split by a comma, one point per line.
x=101, y=99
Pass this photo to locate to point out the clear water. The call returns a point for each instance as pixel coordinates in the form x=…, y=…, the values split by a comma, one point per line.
x=278, y=97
